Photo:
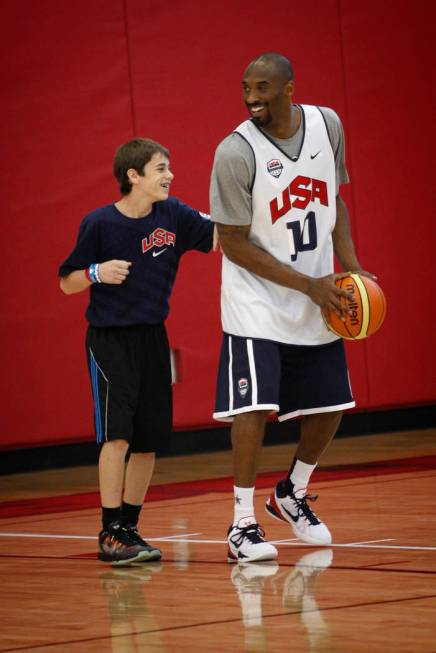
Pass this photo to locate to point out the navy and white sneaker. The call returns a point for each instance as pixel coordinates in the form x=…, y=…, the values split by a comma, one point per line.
x=284, y=505
x=246, y=542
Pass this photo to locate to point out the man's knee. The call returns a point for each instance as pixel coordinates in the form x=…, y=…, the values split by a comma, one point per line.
x=327, y=417
x=249, y=426
x=258, y=417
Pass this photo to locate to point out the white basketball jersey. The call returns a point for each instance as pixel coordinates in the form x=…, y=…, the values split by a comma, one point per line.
x=294, y=213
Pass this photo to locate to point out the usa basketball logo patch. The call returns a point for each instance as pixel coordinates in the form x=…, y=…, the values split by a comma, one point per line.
x=243, y=387
x=274, y=167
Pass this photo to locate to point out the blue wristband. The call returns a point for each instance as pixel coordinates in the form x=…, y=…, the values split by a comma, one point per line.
x=93, y=273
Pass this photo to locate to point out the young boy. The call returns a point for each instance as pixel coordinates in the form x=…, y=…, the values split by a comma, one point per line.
x=127, y=254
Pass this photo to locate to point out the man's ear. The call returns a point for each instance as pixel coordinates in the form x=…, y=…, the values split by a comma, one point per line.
x=289, y=88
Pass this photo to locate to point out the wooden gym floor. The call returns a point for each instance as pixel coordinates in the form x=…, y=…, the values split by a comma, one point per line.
x=372, y=590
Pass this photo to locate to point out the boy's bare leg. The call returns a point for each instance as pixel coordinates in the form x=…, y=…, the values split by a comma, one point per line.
x=138, y=476
x=111, y=469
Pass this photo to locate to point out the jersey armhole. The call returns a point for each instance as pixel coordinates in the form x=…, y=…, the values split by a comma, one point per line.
x=328, y=134
x=254, y=160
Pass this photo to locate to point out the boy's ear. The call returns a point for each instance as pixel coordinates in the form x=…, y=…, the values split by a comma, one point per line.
x=132, y=175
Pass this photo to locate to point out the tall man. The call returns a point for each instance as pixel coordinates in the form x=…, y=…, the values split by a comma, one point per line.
x=275, y=199
x=127, y=254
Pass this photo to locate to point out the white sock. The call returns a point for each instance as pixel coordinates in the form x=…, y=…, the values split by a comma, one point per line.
x=300, y=477
x=243, y=506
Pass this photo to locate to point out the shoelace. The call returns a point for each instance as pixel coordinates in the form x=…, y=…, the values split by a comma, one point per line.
x=134, y=534
x=122, y=534
x=132, y=529
x=303, y=509
x=252, y=532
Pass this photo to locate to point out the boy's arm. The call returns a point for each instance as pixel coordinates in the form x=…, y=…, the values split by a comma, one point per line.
x=74, y=282
x=114, y=272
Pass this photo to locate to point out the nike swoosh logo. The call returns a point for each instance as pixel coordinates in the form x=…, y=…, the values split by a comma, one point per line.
x=161, y=251
x=313, y=156
x=294, y=519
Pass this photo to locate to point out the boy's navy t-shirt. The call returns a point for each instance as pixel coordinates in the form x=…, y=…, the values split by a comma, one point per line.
x=153, y=245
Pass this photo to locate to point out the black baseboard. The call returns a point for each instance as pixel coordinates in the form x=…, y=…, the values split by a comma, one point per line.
x=218, y=439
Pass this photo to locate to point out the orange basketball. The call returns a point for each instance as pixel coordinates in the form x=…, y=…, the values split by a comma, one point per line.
x=367, y=306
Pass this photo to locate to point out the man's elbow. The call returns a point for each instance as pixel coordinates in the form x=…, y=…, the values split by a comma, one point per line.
x=233, y=254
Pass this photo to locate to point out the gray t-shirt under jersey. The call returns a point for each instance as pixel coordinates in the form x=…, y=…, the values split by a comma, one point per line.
x=234, y=167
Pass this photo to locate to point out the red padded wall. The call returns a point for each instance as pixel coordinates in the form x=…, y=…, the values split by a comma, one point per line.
x=85, y=76
x=66, y=106
x=389, y=76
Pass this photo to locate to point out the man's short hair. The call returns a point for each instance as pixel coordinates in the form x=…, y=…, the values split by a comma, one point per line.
x=277, y=62
x=134, y=154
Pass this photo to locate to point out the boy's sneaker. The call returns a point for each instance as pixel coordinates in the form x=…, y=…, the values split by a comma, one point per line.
x=284, y=505
x=116, y=546
x=133, y=533
x=246, y=543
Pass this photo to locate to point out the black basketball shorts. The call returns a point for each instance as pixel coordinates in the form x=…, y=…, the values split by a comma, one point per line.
x=288, y=379
x=130, y=375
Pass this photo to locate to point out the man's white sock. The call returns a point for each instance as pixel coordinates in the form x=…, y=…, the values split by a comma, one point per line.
x=300, y=476
x=243, y=506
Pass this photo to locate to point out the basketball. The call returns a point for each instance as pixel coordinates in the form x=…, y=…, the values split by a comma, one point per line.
x=367, y=306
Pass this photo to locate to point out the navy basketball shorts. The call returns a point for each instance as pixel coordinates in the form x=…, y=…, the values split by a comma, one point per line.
x=130, y=375
x=291, y=380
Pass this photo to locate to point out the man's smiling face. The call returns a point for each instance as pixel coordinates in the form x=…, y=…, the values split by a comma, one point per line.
x=267, y=95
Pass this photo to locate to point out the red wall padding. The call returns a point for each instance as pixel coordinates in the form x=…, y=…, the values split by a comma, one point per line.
x=83, y=77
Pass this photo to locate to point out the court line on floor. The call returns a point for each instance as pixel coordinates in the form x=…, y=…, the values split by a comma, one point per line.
x=164, y=538
x=328, y=546
x=175, y=537
x=387, y=539
x=372, y=544
x=295, y=539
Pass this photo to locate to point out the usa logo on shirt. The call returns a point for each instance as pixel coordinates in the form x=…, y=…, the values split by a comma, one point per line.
x=158, y=238
x=243, y=387
x=274, y=167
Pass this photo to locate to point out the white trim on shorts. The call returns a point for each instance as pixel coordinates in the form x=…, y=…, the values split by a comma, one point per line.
x=230, y=375
x=313, y=411
x=253, y=373
x=227, y=416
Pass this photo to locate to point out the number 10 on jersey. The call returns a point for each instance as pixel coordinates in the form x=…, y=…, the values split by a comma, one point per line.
x=302, y=238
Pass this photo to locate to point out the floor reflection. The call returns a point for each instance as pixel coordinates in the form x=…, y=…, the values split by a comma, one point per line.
x=129, y=613
x=249, y=581
x=297, y=589
x=299, y=595
x=181, y=549
x=289, y=592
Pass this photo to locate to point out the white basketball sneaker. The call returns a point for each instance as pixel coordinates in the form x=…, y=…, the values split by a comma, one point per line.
x=284, y=505
x=246, y=542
